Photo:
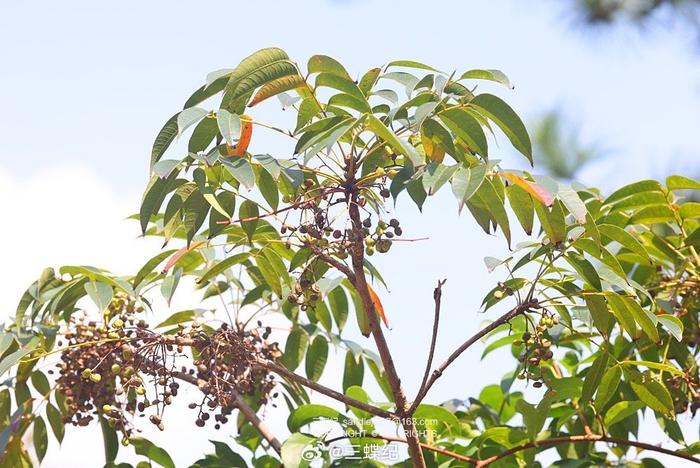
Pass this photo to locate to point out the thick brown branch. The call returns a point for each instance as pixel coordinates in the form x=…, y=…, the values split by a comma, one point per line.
x=437, y=296
x=337, y=264
x=360, y=283
x=284, y=372
x=584, y=438
x=437, y=373
x=239, y=402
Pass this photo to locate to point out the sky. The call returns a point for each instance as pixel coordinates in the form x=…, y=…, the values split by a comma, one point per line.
x=85, y=87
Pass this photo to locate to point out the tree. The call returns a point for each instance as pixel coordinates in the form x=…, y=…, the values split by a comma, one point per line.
x=601, y=304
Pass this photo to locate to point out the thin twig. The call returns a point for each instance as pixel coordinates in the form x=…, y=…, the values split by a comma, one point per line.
x=437, y=373
x=437, y=296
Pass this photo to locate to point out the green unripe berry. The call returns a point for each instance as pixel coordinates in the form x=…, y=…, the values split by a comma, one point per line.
x=125, y=441
x=106, y=408
x=86, y=373
x=116, y=368
x=369, y=251
x=95, y=378
x=119, y=323
x=140, y=390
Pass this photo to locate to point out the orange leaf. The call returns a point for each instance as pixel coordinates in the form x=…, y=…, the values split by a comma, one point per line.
x=377, y=305
x=530, y=187
x=243, y=142
x=179, y=254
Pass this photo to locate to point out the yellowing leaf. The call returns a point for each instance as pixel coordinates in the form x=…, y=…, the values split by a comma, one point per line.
x=276, y=87
x=532, y=188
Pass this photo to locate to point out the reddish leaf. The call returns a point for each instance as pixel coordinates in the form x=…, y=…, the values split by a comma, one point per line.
x=243, y=142
x=180, y=253
x=532, y=188
x=377, y=305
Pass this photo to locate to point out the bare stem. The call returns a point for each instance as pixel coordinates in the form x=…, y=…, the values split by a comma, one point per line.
x=437, y=373
x=437, y=296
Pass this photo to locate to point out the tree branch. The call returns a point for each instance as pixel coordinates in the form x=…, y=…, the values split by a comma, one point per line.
x=437, y=373
x=584, y=438
x=284, y=372
x=239, y=402
x=360, y=283
x=437, y=296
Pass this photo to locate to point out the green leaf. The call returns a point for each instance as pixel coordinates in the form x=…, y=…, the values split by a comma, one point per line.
x=203, y=134
x=152, y=452
x=40, y=438
x=359, y=393
x=411, y=64
x=466, y=181
x=306, y=414
x=100, y=293
x=178, y=317
x=654, y=214
x=165, y=167
x=41, y=383
x=690, y=210
x=13, y=358
x=110, y=441
x=436, y=175
x=326, y=64
x=652, y=393
x=593, y=377
x=646, y=320
x=316, y=358
x=228, y=456
x=188, y=117
x=466, y=127
x=571, y=200
x=165, y=137
x=278, y=86
x=294, y=348
x=354, y=370
x=490, y=75
x=338, y=304
x=268, y=188
x=585, y=269
x=223, y=265
x=398, y=145
x=507, y=120
x=293, y=448
x=633, y=189
x=229, y=126
x=678, y=182
x=624, y=238
x=248, y=213
x=653, y=365
x=241, y=170
x=56, y=421
x=599, y=312
x=522, y=205
x=490, y=198
x=342, y=84
x=608, y=385
x=257, y=69
x=622, y=313
x=533, y=417
x=621, y=410
x=672, y=324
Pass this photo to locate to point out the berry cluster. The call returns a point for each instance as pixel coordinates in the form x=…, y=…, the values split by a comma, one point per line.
x=118, y=369
x=226, y=368
x=537, y=349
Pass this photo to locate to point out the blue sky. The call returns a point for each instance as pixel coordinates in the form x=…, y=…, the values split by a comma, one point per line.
x=85, y=87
